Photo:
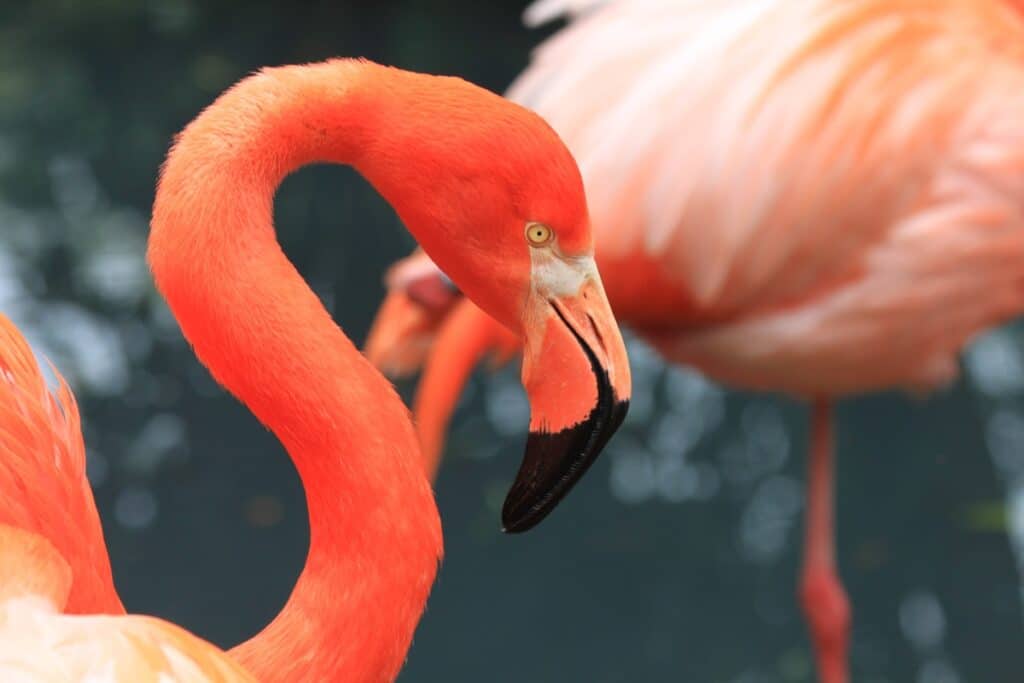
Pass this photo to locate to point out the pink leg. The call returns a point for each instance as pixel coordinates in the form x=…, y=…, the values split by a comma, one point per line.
x=822, y=596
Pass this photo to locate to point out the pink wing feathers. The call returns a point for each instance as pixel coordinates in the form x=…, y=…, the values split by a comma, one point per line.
x=43, y=487
x=791, y=165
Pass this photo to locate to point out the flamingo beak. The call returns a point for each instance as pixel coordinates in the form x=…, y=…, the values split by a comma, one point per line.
x=576, y=375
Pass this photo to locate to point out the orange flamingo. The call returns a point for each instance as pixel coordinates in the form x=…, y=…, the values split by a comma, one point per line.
x=813, y=197
x=491, y=192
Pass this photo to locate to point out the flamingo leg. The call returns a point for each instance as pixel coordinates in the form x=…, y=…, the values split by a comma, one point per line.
x=822, y=596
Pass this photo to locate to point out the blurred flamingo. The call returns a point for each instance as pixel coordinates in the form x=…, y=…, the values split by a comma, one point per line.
x=426, y=143
x=813, y=197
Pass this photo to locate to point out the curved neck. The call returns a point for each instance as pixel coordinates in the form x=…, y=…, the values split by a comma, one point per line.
x=375, y=535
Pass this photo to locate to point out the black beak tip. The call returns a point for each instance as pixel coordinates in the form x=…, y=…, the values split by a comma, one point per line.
x=514, y=523
x=554, y=462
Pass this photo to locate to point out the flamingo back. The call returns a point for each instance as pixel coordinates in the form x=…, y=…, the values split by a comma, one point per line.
x=43, y=484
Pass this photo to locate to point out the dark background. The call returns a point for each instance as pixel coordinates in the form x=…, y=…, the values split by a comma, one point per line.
x=676, y=558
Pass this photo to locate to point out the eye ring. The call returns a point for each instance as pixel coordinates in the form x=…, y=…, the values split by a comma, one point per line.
x=538, y=234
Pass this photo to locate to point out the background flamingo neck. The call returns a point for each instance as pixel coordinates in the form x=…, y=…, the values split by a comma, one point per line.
x=252, y=320
x=466, y=335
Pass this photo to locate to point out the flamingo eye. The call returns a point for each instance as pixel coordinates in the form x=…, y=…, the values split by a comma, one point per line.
x=538, y=234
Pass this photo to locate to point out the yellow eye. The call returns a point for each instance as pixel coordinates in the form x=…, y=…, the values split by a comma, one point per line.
x=538, y=234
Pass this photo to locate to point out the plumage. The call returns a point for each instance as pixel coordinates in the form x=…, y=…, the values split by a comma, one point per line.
x=39, y=645
x=35, y=423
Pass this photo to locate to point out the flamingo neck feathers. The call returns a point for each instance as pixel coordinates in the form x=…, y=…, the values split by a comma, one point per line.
x=375, y=537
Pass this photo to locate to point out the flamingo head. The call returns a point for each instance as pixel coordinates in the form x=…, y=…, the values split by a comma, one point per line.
x=496, y=201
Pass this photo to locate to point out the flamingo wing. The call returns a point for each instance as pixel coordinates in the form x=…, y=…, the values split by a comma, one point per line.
x=831, y=160
x=38, y=644
x=42, y=473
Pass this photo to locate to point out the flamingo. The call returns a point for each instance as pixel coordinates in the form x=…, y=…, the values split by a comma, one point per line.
x=812, y=197
x=490, y=191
